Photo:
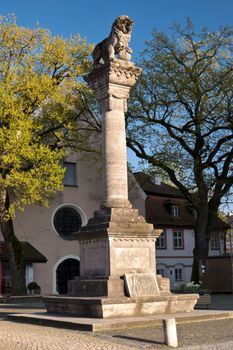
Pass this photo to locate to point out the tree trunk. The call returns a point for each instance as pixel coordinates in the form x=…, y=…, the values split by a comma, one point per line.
x=15, y=253
x=201, y=248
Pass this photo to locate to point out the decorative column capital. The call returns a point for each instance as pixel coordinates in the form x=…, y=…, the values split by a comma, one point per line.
x=112, y=82
x=119, y=72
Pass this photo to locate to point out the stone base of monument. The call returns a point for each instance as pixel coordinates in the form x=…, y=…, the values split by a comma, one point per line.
x=96, y=287
x=117, y=271
x=120, y=307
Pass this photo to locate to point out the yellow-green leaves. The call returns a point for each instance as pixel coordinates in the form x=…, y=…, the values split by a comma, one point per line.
x=39, y=77
x=43, y=177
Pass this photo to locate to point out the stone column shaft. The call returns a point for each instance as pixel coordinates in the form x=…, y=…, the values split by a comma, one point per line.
x=114, y=159
x=111, y=83
x=115, y=181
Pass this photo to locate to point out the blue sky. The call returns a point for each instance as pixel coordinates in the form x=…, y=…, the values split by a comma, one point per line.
x=93, y=18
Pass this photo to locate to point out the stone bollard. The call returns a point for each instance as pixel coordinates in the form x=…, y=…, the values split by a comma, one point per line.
x=170, y=333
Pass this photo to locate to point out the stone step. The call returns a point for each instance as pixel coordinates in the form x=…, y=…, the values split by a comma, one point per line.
x=105, y=307
x=98, y=325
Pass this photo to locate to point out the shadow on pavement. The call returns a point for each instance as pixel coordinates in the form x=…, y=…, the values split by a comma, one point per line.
x=138, y=339
x=6, y=309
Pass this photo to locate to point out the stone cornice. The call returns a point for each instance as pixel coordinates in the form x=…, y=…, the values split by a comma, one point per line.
x=119, y=72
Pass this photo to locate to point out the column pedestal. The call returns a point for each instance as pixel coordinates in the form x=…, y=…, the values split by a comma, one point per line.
x=117, y=277
x=115, y=242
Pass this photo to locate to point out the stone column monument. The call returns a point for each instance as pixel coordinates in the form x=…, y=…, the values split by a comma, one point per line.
x=117, y=247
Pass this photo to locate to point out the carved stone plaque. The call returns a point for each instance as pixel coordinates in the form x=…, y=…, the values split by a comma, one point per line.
x=141, y=284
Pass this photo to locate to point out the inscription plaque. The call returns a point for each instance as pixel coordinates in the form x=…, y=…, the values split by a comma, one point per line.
x=141, y=284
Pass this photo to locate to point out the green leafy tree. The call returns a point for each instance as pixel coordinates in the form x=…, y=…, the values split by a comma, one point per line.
x=40, y=107
x=180, y=119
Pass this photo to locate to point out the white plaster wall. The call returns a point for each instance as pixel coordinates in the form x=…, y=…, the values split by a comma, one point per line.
x=220, y=251
x=188, y=244
x=29, y=273
x=169, y=265
x=171, y=258
x=35, y=223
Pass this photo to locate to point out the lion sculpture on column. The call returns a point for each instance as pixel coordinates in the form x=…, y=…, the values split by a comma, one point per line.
x=116, y=43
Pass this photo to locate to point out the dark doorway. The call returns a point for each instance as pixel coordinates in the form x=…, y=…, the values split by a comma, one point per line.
x=67, y=270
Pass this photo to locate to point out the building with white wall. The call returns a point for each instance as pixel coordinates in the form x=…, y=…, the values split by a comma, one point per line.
x=166, y=209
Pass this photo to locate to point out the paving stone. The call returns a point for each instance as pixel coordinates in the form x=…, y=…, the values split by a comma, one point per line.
x=206, y=335
x=211, y=335
x=15, y=336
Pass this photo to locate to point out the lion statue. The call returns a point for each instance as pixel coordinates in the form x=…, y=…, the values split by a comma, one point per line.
x=116, y=43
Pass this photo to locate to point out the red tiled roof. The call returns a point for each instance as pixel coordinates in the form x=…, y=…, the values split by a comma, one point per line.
x=159, y=200
x=149, y=187
x=157, y=213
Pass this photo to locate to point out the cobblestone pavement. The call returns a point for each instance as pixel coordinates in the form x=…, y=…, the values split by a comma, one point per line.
x=206, y=335
x=219, y=346
x=211, y=335
x=17, y=336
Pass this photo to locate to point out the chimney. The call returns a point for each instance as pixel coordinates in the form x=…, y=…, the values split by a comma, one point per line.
x=156, y=179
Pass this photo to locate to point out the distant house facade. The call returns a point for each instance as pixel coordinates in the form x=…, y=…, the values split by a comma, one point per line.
x=166, y=209
x=50, y=258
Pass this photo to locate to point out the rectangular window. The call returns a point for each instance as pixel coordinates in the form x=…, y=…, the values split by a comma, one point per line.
x=70, y=178
x=161, y=241
x=178, y=240
x=178, y=274
x=214, y=241
x=175, y=210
